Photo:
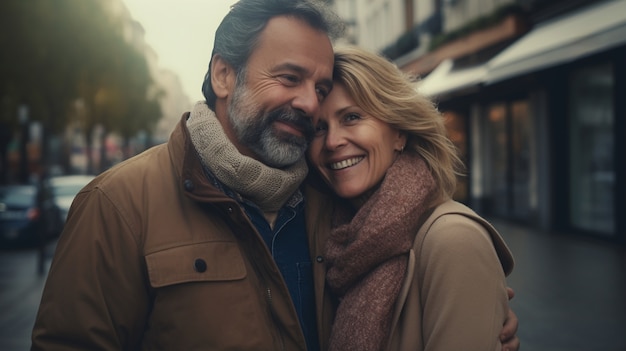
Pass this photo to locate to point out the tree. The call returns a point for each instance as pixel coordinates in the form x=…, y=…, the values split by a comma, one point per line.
x=57, y=52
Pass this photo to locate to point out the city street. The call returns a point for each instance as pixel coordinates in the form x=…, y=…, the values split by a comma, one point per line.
x=569, y=292
x=20, y=291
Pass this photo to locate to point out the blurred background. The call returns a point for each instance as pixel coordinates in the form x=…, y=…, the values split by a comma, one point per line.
x=533, y=91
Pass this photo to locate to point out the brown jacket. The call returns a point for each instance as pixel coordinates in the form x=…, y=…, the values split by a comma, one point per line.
x=154, y=257
x=454, y=294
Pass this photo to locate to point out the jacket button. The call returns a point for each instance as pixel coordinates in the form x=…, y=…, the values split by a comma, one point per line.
x=199, y=265
x=230, y=209
x=319, y=259
x=188, y=184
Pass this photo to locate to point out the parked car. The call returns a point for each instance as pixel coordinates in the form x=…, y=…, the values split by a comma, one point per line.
x=28, y=215
x=65, y=188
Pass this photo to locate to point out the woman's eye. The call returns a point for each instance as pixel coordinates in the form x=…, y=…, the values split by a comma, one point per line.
x=352, y=117
x=320, y=129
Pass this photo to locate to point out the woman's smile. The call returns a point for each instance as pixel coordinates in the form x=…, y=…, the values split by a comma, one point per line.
x=352, y=149
x=346, y=163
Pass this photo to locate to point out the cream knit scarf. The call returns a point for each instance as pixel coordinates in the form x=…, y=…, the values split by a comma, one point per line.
x=267, y=187
x=367, y=254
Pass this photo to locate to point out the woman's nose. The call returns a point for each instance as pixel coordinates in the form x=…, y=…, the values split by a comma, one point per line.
x=334, y=138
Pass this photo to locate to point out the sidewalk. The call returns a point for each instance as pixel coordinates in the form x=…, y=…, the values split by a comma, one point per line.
x=20, y=292
x=570, y=292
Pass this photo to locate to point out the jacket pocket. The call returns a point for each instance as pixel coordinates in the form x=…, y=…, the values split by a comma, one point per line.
x=210, y=261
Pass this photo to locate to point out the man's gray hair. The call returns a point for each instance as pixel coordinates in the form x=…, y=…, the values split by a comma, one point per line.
x=238, y=33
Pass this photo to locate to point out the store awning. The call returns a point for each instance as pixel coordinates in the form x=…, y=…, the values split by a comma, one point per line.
x=564, y=39
x=445, y=79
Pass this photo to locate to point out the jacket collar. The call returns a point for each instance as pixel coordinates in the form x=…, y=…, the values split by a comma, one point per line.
x=188, y=167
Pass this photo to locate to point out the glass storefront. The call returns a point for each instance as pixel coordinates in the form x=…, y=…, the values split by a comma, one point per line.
x=591, y=145
x=497, y=159
x=510, y=166
x=522, y=160
x=457, y=131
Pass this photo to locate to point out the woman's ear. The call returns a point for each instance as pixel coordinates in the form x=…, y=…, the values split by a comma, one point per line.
x=400, y=143
x=222, y=77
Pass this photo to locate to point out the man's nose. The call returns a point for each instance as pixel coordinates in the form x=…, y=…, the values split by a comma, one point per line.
x=307, y=101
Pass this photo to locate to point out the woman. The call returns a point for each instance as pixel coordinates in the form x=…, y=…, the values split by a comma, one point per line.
x=410, y=268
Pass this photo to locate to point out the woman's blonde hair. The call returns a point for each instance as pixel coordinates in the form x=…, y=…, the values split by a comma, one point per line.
x=381, y=89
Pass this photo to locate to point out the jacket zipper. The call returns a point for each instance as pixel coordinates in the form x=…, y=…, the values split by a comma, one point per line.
x=268, y=292
x=263, y=279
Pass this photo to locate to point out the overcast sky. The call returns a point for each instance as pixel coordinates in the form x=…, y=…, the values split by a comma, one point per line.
x=181, y=32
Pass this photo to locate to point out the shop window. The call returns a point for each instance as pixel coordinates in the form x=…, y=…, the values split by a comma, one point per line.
x=522, y=160
x=497, y=159
x=591, y=144
x=509, y=161
x=457, y=131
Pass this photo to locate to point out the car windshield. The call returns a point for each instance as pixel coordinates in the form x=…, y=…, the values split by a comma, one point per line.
x=67, y=190
x=21, y=196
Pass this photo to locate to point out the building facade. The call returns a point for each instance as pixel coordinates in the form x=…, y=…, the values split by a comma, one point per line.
x=535, y=96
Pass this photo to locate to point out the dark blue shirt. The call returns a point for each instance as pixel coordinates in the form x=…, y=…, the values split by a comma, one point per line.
x=289, y=247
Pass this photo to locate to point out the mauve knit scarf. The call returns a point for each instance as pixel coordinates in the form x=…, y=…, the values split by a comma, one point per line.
x=367, y=254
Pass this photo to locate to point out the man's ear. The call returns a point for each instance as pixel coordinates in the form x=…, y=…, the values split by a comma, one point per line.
x=222, y=77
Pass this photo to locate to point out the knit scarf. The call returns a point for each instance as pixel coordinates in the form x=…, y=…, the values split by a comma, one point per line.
x=267, y=187
x=367, y=254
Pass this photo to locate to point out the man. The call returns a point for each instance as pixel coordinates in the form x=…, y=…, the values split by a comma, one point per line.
x=200, y=244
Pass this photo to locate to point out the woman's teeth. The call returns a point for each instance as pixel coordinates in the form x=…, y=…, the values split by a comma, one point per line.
x=346, y=163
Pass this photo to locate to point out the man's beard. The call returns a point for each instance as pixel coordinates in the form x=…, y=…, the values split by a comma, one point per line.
x=254, y=130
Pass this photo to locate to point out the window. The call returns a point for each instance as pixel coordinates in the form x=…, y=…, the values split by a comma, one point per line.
x=510, y=163
x=592, y=174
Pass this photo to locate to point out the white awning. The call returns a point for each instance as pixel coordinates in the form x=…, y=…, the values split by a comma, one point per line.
x=561, y=40
x=445, y=79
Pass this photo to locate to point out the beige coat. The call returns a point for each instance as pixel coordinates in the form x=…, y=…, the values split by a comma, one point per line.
x=454, y=294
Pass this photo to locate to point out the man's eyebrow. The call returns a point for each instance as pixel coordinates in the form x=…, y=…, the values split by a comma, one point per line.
x=303, y=71
x=291, y=67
